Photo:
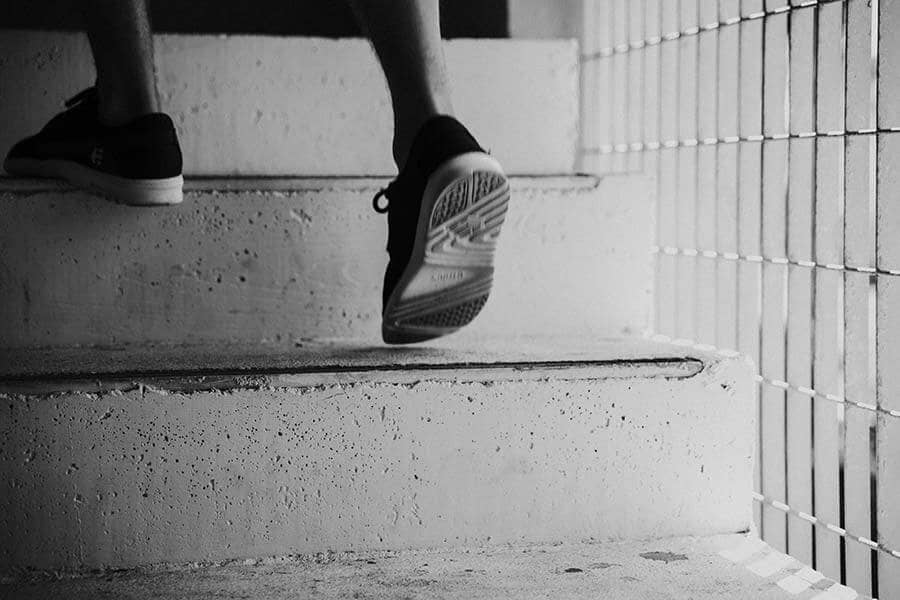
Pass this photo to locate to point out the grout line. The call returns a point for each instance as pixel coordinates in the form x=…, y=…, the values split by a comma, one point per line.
x=841, y=312
x=874, y=6
x=754, y=258
x=837, y=399
x=806, y=391
x=825, y=525
x=675, y=35
x=656, y=144
x=814, y=282
x=761, y=292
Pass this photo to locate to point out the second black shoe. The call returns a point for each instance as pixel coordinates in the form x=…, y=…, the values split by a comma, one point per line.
x=445, y=211
x=135, y=163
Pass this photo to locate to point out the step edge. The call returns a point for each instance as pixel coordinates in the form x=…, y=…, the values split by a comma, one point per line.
x=300, y=184
x=189, y=381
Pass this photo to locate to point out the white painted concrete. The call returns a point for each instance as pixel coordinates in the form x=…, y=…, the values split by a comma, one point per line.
x=675, y=569
x=275, y=261
x=536, y=19
x=160, y=473
x=249, y=105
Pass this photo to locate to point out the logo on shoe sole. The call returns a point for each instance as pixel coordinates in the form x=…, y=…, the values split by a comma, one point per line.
x=444, y=276
x=474, y=224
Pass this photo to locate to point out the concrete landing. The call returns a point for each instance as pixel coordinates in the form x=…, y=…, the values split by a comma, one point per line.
x=671, y=569
x=283, y=261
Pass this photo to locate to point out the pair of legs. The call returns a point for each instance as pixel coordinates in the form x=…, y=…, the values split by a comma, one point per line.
x=444, y=209
x=405, y=33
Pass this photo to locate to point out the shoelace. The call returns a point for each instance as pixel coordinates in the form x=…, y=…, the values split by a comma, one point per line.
x=82, y=96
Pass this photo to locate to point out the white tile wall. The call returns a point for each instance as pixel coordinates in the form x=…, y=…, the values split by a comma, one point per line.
x=770, y=132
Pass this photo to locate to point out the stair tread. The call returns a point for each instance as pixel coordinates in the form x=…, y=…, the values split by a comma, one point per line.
x=624, y=357
x=29, y=185
x=677, y=568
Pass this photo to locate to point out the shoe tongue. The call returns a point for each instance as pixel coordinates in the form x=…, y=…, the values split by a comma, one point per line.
x=81, y=114
x=88, y=95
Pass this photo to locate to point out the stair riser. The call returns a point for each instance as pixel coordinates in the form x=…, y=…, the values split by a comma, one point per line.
x=250, y=105
x=281, y=267
x=150, y=476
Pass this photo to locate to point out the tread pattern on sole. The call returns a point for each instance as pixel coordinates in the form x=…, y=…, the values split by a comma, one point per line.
x=452, y=317
x=466, y=191
x=451, y=203
x=466, y=220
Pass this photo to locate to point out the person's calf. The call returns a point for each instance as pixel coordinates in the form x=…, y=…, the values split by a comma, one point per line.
x=122, y=45
x=407, y=39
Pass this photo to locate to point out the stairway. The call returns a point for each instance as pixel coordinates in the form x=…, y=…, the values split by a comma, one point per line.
x=205, y=383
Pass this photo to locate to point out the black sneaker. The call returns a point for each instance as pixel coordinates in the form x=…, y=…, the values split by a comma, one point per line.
x=135, y=163
x=445, y=210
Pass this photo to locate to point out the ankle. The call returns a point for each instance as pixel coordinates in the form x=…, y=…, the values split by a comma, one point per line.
x=118, y=107
x=407, y=127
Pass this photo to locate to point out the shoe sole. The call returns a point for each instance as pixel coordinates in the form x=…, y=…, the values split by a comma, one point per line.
x=448, y=279
x=134, y=192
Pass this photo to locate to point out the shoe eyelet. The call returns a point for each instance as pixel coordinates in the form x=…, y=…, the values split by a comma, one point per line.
x=381, y=208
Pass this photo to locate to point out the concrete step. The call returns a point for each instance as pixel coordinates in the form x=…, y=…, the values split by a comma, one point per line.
x=349, y=447
x=705, y=568
x=282, y=261
x=252, y=105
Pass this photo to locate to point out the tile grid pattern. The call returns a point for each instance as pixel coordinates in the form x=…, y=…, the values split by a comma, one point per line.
x=772, y=129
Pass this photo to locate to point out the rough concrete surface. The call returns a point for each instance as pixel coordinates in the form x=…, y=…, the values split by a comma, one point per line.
x=145, y=475
x=252, y=105
x=274, y=261
x=463, y=357
x=671, y=569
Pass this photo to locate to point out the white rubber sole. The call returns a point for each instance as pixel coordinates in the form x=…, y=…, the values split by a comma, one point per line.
x=448, y=279
x=136, y=192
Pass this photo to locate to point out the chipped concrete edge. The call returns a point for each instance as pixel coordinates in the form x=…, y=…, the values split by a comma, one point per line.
x=409, y=375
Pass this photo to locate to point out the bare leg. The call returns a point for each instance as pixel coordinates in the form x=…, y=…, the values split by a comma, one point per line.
x=122, y=44
x=407, y=38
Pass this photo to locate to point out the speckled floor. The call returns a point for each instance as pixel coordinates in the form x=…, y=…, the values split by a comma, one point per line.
x=729, y=566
